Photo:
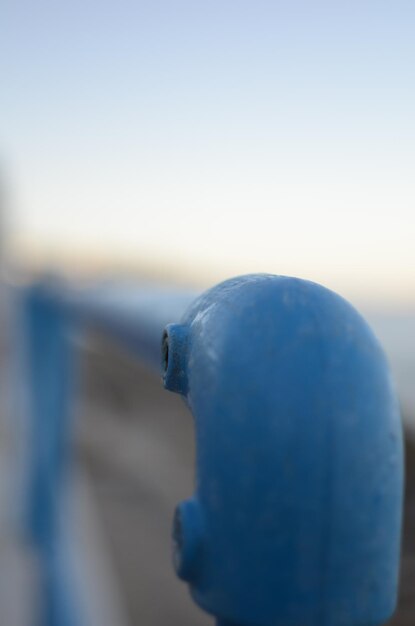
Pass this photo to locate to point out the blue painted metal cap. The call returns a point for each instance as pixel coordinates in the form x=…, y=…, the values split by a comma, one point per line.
x=296, y=516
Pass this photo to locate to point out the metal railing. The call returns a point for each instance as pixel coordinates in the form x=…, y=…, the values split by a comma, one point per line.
x=296, y=515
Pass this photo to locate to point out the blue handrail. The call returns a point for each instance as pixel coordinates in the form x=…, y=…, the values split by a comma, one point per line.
x=296, y=516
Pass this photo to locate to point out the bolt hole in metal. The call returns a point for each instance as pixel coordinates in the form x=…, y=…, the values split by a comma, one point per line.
x=165, y=352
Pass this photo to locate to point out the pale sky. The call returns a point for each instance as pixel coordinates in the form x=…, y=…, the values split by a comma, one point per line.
x=218, y=137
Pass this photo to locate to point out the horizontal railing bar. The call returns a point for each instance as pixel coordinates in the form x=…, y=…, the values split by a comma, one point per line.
x=132, y=314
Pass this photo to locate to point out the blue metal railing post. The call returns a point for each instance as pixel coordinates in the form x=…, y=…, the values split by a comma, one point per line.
x=296, y=516
x=49, y=378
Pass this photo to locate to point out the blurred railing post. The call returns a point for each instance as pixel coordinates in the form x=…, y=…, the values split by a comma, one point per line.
x=49, y=381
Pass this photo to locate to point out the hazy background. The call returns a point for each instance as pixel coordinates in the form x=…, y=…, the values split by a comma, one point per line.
x=211, y=138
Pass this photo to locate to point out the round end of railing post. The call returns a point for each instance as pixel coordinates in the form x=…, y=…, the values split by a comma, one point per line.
x=299, y=457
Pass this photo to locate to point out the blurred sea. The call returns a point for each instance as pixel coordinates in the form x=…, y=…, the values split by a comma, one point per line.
x=397, y=336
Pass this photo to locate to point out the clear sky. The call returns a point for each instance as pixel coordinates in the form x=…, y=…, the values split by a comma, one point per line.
x=216, y=136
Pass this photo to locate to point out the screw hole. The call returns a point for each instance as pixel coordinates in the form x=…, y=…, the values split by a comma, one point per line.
x=165, y=352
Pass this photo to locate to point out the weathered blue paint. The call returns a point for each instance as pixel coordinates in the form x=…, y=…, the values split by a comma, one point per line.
x=296, y=517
